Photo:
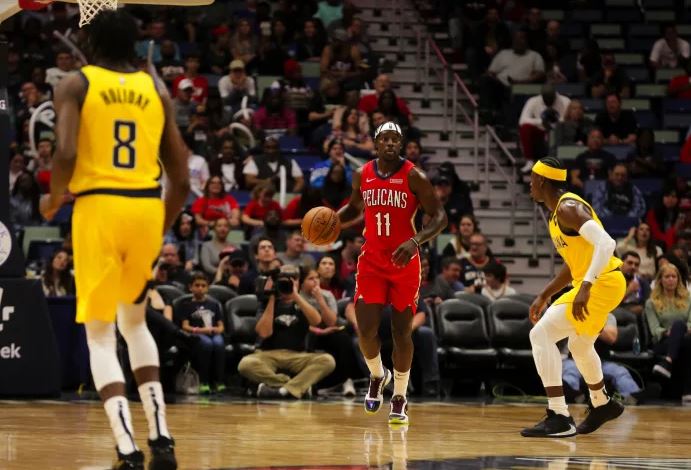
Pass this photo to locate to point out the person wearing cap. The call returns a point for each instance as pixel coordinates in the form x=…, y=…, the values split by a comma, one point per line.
x=232, y=271
x=580, y=313
x=183, y=105
x=236, y=85
x=540, y=115
x=200, y=83
x=389, y=190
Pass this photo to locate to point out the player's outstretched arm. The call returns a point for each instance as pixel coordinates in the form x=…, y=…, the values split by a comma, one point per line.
x=576, y=216
x=69, y=95
x=423, y=189
x=355, y=205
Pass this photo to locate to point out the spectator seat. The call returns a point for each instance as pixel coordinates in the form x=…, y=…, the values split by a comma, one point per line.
x=475, y=299
x=241, y=318
x=628, y=330
x=39, y=232
x=169, y=293
x=463, y=333
x=222, y=293
x=651, y=90
x=510, y=327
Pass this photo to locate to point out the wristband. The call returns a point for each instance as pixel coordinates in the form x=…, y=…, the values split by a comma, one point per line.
x=416, y=242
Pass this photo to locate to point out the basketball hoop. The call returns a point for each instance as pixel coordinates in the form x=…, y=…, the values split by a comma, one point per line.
x=90, y=8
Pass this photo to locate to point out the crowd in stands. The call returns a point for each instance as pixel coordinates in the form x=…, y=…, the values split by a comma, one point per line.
x=294, y=88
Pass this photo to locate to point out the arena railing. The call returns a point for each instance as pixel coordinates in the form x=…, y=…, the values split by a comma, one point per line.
x=491, y=135
x=537, y=210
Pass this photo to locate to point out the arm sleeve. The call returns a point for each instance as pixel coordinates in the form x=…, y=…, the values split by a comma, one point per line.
x=603, y=248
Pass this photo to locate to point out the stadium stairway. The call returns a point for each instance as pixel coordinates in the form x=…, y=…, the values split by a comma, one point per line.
x=393, y=20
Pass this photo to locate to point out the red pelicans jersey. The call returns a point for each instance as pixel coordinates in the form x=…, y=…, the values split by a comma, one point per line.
x=390, y=207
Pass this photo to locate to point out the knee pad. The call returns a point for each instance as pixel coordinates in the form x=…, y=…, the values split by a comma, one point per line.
x=105, y=368
x=140, y=343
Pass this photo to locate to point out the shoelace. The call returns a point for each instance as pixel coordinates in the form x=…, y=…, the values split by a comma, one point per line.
x=375, y=385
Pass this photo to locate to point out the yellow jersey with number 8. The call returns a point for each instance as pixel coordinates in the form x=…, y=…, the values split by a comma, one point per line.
x=120, y=130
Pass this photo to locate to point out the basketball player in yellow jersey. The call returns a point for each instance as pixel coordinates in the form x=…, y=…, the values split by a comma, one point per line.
x=113, y=123
x=598, y=287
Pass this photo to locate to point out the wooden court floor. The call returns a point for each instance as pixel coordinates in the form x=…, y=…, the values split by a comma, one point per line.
x=327, y=435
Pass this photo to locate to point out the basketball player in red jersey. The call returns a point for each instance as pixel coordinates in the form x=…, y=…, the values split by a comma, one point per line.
x=390, y=189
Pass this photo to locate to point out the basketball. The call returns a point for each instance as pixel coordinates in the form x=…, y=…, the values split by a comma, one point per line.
x=321, y=226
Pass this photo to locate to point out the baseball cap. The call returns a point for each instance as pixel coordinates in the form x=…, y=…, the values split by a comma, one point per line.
x=185, y=84
x=237, y=64
x=388, y=126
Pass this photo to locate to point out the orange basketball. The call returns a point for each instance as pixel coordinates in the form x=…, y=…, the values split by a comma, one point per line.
x=321, y=226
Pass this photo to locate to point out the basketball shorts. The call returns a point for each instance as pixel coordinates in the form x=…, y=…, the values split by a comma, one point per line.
x=116, y=240
x=606, y=294
x=378, y=281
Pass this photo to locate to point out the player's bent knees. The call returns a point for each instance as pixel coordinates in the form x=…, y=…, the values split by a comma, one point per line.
x=537, y=336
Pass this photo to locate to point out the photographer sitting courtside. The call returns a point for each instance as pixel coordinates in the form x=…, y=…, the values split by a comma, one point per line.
x=283, y=321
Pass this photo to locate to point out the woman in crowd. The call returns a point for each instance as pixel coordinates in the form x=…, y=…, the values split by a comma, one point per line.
x=262, y=202
x=330, y=336
x=24, y=201
x=664, y=218
x=57, y=280
x=328, y=280
x=215, y=204
x=310, y=43
x=185, y=237
x=356, y=142
x=460, y=244
x=639, y=239
x=244, y=45
x=338, y=190
x=668, y=312
x=574, y=129
x=211, y=250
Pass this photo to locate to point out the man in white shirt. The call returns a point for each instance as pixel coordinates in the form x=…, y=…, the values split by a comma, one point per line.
x=670, y=51
x=64, y=64
x=540, y=114
x=266, y=167
x=516, y=65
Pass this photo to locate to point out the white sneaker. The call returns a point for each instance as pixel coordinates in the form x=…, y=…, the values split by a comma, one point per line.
x=349, y=388
x=527, y=167
x=375, y=392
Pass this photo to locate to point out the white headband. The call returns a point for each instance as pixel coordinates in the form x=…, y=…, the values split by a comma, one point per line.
x=388, y=126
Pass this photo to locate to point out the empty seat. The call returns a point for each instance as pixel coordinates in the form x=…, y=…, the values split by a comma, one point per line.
x=39, y=233
x=618, y=225
x=612, y=44
x=666, y=137
x=241, y=318
x=569, y=152
x=651, y=90
x=627, y=332
x=42, y=250
x=510, y=327
x=475, y=299
x=221, y=293
x=169, y=293
x=658, y=16
x=635, y=104
x=463, y=334
x=650, y=187
x=605, y=29
x=627, y=58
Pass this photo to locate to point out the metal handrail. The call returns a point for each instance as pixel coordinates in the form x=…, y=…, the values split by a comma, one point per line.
x=538, y=210
x=490, y=134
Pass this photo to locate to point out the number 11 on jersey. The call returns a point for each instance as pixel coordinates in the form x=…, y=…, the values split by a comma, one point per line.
x=387, y=224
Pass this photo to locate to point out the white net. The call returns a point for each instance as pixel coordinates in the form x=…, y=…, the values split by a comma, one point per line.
x=90, y=8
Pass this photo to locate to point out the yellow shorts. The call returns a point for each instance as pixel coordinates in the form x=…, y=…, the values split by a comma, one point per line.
x=605, y=295
x=116, y=240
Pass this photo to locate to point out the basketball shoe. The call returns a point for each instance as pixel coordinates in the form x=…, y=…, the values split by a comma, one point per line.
x=132, y=461
x=554, y=425
x=399, y=410
x=596, y=417
x=375, y=392
x=162, y=454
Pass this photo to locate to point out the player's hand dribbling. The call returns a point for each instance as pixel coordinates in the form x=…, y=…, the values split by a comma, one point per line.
x=404, y=253
x=536, y=308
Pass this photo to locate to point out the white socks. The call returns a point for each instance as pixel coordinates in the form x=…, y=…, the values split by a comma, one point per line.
x=151, y=394
x=400, y=382
x=558, y=405
x=375, y=366
x=598, y=397
x=118, y=413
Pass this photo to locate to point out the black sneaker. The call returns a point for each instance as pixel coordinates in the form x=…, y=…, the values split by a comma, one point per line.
x=596, y=417
x=554, y=425
x=162, y=454
x=264, y=391
x=375, y=392
x=131, y=461
x=663, y=368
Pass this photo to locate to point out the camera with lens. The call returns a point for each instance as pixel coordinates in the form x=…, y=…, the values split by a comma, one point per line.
x=282, y=281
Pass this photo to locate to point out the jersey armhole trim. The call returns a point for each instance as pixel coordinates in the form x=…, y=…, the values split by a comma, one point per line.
x=85, y=79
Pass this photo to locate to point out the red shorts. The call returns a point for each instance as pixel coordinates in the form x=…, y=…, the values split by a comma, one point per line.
x=378, y=281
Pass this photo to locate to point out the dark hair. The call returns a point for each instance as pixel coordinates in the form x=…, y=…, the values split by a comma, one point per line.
x=630, y=253
x=449, y=260
x=650, y=245
x=178, y=222
x=208, y=182
x=309, y=197
x=198, y=276
x=659, y=211
x=679, y=263
x=495, y=269
x=65, y=279
x=613, y=93
x=34, y=192
x=344, y=120
x=263, y=239
x=113, y=35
